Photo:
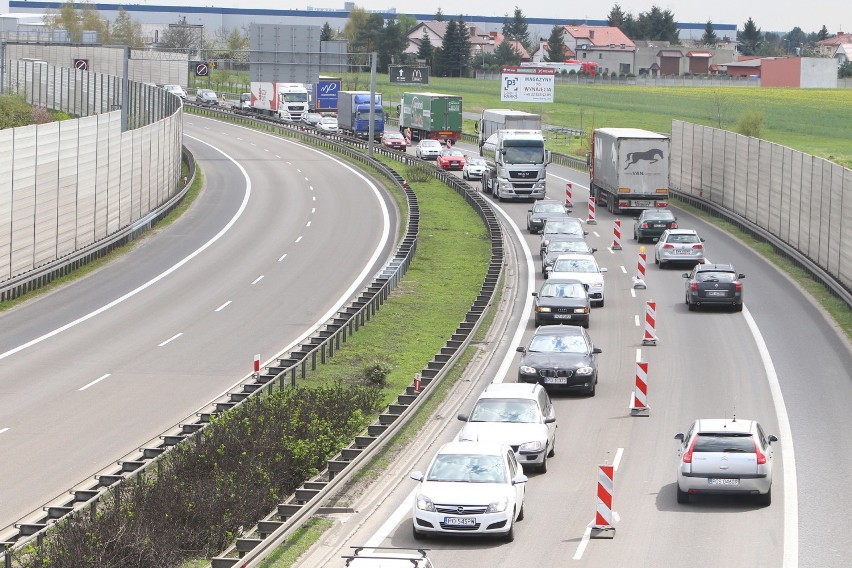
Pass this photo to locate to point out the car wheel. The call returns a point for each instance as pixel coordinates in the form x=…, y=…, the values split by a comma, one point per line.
x=417, y=534
x=692, y=307
x=541, y=469
x=738, y=307
x=766, y=498
x=601, y=303
x=536, y=322
x=593, y=388
x=586, y=324
x=656, y=259
x=682, y=496
x=510, y=536
x=663, y=264
x=521, y=514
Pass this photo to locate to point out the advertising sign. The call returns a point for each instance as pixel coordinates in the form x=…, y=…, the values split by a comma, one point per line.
x=527, y=84
x=415, y=75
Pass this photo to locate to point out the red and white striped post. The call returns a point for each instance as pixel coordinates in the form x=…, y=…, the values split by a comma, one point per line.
x=418, y=384
x=603, y=527
x=650, y=336
x=568, y=203
x=639, y=406
x=256, y=365
x=591, y=219
x=616, y=235
x=639, y=279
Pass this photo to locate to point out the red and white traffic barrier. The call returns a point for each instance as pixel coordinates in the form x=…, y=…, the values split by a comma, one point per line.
x=616, y=235
x=591, y=219
x=639, y=406
x=603, y=527
x=418, y=383
x=650, y=335
x=568, y=203
x=639, y=279
x=257, y=365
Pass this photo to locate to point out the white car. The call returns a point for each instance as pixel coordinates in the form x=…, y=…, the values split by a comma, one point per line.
x=176, y=90
x=474, y=168
x=727, y=455
x=474, y=488
x=582, y=267
x=517, y=414
x=328, y=124
x=679, y=245
x=428, y=149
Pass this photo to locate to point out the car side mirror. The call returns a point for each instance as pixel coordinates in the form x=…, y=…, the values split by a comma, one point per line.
x=548, y=268
x=702, y=240
x=594, y=250
x=462, y=417
x=585, y=233
x=550, y=420
x=772, y=438
x=679, y=436
x=535, y=294
x=742, y=275
x=416, y=475
x=520, y=349
x=686, y=274
x=529, y=210
x=596, y=350
x=520, y=478
x=603, y=269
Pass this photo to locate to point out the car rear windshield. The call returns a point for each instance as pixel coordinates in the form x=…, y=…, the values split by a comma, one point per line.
x=563, y=291
x=548, y=208
x=568, y=246
x=562, y=227
x=661, y=214
x=505, y=410
x=683, y=239
x=724, y=442
x=715, y=276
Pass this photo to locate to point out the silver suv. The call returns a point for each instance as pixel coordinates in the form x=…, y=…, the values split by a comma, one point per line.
x=725, y=456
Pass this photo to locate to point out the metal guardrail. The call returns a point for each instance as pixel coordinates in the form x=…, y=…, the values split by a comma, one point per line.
x=321, y=345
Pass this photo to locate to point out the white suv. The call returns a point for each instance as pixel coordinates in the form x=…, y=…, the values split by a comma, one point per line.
x=518, y=414
x=725, y=456
x=176, y=90
x=582, y=267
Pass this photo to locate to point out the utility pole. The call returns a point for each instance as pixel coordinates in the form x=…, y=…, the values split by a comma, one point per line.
x=372, y=130
x=125, y=90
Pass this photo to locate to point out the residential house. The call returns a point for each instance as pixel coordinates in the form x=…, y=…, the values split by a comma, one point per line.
x=607, y=46
x=828, y=47
x=540, y=53
x=843, y=53
x=480, y=41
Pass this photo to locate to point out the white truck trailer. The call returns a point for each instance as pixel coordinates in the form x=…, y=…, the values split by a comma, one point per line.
x=287, y=101
x=496, y=119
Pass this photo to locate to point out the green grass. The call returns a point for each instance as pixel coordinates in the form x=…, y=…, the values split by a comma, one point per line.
x=301, y=540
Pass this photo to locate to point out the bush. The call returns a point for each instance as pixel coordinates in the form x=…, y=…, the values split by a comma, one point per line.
x=751, y=123
x=417, y=173
x=375, y=373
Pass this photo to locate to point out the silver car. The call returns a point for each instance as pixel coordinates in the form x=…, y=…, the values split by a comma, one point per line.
x=725, y=456
x=474, y=168
x=679, y=245
x=428, y=149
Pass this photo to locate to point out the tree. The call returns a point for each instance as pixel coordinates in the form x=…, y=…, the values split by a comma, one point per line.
x=795, y=40
x=749, y=38
x=326, y=33
x=505, y=54
x=91, y=21
x=426, y=49
x=709, y=38
x=182, y=37
x=555, y=49
x=67, y=19
x=822, y=33
x=615, y=19
x=391, y=44
x=439, y=16
x=450, y=50
x=463, y=46
x=845, y=69
x=658, y=25
x=517, y=28
x=352, y=30
x=125, y=31
x=751, y=123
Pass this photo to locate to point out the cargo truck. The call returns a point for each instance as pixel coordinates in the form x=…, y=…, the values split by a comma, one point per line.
x=287, y=101
x=322, y=95
x=431, y=116
x=496, y=119
x=353, y=114
x=629, y=169
x=515, y=164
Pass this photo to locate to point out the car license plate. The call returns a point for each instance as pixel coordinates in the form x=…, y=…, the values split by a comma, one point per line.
x=562, y=316
x=460, y=521
x=716, y=293
x=713, y=481
x=641, y=203
x=683, y=251
x=659, y=225
x=556, y=380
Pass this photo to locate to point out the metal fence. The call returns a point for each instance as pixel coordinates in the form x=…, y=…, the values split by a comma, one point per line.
x=68, y=184
x=802, y=200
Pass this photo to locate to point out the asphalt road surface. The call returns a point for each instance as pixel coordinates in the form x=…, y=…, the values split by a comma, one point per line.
x=279, y=238
x=780, y=361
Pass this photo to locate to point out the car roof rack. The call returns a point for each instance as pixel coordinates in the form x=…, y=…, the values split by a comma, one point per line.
x=358, y=553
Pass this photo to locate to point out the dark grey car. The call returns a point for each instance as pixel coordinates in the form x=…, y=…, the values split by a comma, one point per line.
x=562, y=301
x=714, y=285
x=560, y=357
x=651, y=223
x=564, y=245
x=206, y=97
x=542, y=211
x=560, y=227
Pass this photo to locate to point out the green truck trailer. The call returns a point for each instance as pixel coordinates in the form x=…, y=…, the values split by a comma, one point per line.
x=431, y=116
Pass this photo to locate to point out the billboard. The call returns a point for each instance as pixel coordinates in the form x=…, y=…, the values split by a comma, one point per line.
x=527, y=84
x=415, y=75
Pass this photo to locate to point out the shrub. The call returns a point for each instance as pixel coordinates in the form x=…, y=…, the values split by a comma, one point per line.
x=417, y=173
x=751, y=123
x=375, y=373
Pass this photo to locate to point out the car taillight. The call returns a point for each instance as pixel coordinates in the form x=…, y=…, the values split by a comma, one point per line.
x=668, y=246
x=644, y=225
x=687, y=457
x=738, y=286
x=661, y=204
x=674, y=225
x=698, y=246
x=761, y=457
x=693, y=286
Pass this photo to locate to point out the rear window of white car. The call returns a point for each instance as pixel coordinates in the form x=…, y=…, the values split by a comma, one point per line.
x=726, y=443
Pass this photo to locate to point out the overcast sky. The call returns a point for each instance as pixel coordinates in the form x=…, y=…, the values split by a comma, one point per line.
x=769, y=15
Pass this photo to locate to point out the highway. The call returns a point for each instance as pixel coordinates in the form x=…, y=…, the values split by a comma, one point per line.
x=780, y=362
x=279, y=238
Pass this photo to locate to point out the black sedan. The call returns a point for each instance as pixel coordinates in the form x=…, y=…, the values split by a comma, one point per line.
x=714, y=285
x=563, y=245
x=560, y=227
x=651, y=223
x=562, y=301
x=560, y=357
x=543, y=210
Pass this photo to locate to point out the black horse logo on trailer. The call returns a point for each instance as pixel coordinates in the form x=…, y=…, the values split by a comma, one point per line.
x=649, y=155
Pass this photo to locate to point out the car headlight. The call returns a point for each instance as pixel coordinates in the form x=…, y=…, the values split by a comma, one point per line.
x=531, y=447
x=505, y=184
x=527, y=370
x=596, y=285
x=543, y=310
x=584, y=371
x=498, y=506
x=581, y=310
x=539, y=185
x=425, y=504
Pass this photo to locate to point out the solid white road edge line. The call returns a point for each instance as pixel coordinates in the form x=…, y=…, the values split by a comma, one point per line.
x=157, y=278
x=791, y=495
x=96, y=381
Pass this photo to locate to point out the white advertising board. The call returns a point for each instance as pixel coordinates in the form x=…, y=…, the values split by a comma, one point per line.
x=527, y=84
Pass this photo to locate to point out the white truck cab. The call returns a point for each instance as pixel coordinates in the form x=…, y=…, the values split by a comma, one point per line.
x=516, y=164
